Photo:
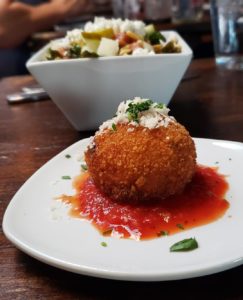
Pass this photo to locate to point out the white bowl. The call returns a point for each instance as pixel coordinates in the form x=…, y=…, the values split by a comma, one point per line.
x=88, y=90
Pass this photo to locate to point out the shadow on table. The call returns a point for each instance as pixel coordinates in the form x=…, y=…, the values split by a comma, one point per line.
x=60, y=284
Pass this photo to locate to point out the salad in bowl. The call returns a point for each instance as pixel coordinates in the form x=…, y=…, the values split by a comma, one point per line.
x=112, y=37
x=89, y=71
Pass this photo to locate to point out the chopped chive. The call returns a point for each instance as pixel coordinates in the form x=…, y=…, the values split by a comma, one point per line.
x=84, y=167
x=68, y=156
x=66, y=177
x=103, y=244
x=184, y=245
x=180, y=226
x=113, y=126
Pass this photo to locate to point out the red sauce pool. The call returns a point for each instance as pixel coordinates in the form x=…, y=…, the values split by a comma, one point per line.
x=202, y=202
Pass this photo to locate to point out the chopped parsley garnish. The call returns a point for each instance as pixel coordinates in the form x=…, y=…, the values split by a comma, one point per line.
x=84, y=167
x=66, y=177
x=135, y=108
x=163, y=233
x=75, y=51
x=103, y=244
x=160, y=105
x=180, y=226
x=113, y=126
x=184, y=245
x=68, y=156
x=155, y=37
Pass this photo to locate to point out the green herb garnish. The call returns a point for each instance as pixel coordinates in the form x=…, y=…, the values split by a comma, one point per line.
x=135, y=108
x=155, y=37
x=180, y=226
x=53, y=54
x=89, y=54
x=113, y=126
x=184, y=245
x=163, y=233
x=68, y=156
x=103, y=244
x=160, y=105
x=66, y=177
x=74, y=51
x=84, y=167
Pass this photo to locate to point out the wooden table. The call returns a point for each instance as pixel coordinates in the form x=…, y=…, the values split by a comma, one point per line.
x=209, y=103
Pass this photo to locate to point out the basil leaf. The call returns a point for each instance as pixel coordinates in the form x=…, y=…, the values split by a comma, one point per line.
x=184, y=245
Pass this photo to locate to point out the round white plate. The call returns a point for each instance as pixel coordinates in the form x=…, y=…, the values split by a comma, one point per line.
x=35, y=225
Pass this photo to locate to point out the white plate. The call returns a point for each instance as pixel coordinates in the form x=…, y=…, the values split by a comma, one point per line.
x=75, y=245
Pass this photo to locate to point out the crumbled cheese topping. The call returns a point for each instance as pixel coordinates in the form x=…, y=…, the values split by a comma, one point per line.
x=60, y=44
x=72, y=37
x=75, y=35
x=154, y=117
x=118, y=25
x=142, y=51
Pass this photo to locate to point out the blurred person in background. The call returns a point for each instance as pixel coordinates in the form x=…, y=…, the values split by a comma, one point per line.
x=20, y=19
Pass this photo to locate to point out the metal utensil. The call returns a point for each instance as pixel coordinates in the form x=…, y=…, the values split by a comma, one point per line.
x=33, y=93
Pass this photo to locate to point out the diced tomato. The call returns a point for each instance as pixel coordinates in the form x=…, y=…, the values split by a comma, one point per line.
x=123, y=39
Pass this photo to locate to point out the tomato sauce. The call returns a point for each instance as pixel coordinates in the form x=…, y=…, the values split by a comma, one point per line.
x=201, y=202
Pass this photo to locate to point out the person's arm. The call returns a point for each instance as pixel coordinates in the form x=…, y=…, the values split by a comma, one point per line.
x=48, y=14
x=19, y=20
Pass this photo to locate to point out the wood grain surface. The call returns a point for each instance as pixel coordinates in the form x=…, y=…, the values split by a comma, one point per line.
x=209, y=102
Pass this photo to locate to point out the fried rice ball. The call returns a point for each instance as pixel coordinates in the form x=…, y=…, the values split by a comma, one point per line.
x=136, y=164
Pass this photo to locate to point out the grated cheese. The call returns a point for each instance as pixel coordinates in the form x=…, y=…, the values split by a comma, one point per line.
x=152, y=118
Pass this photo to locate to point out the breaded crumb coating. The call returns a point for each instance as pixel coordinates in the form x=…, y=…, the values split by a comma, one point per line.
x=135, y=163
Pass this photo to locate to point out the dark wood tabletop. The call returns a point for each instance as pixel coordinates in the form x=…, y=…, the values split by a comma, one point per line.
x=209, y=102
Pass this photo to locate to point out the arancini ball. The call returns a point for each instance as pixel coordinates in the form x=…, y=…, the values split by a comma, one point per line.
x=142, y=154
